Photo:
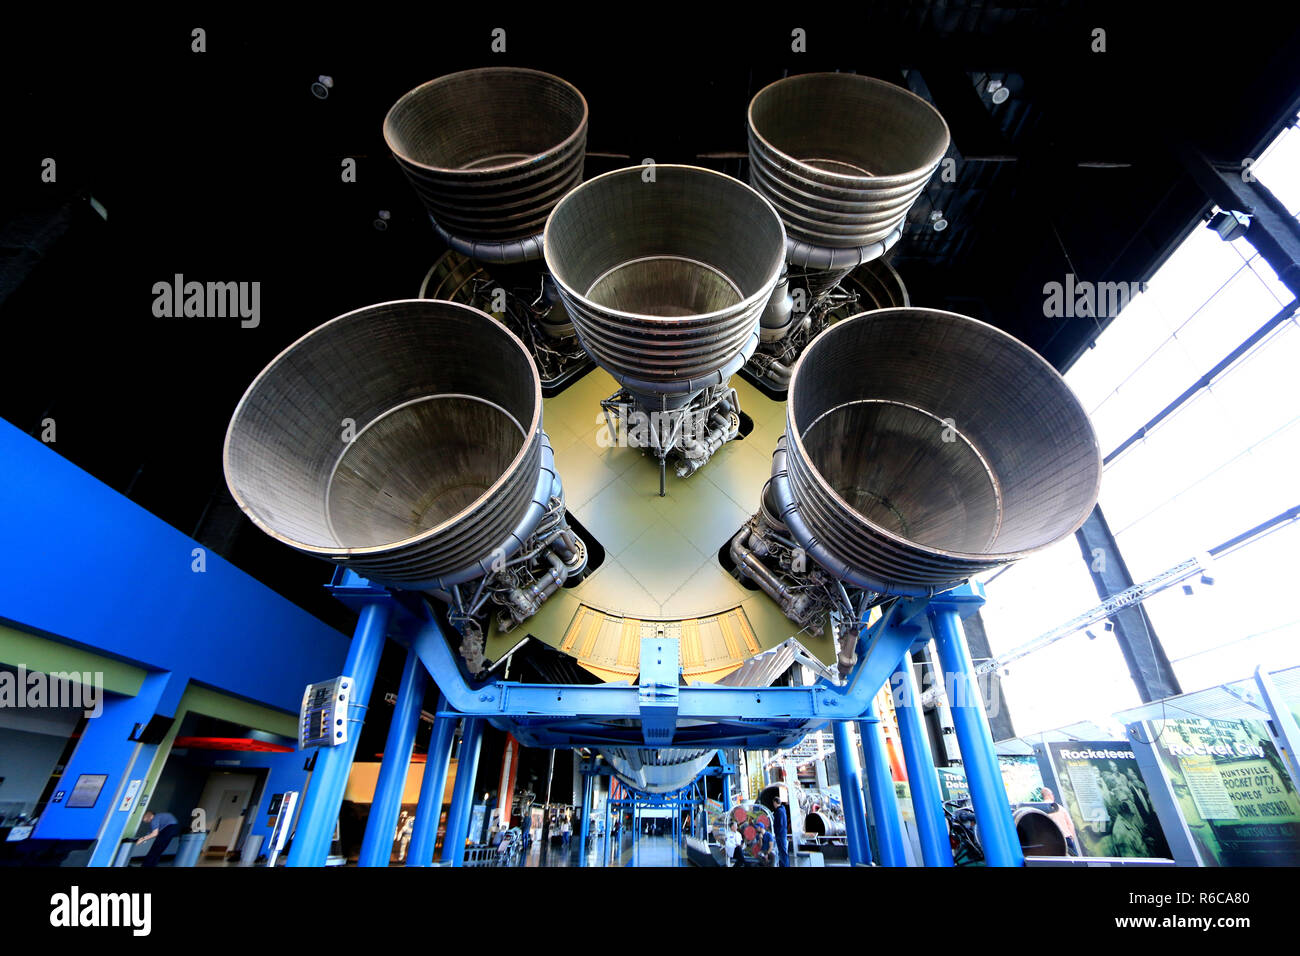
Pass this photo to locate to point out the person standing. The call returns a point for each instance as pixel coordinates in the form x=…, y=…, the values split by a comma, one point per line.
x=735, y=846
x=766, y=847
x=782, y=827
x=162, y=827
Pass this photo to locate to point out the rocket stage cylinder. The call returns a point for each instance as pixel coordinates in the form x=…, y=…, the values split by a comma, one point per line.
x=923, y=447
x=402, y=440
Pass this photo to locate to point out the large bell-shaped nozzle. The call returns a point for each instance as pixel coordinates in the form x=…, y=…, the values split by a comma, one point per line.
x=922, y=447
x=664, y=272
x=842, y=157
x=403, y=440
x=490, y=152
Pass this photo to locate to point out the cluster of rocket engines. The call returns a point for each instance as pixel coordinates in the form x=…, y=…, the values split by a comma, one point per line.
x=404, y=440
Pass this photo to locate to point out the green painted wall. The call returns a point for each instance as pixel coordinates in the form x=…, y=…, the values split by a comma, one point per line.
x=45, y=655
x=42, y=654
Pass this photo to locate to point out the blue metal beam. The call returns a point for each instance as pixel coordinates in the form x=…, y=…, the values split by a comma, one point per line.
x=855, y=818
x=377, y=844
x=462, y=794
x=606, y=843
x=658, y=693
x=927, y=801
x=800, y=708
x=979, y=758
x=659, y=712
x=586, y=819
x=880, y=786
x=424, y=834
x=329, y=779
x=726, y=783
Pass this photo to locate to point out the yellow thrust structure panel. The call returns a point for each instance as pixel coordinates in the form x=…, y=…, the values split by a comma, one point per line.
x=610, y=646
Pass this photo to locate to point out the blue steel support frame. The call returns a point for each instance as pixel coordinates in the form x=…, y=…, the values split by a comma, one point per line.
x=927, y=800
x=606, y=842
x=659, y=712
x=428, y=812
x=688, y=797
x=586, y=819
x=855, y=817
x=329, y=779
x=979, y=759
x=726, y=783
x=880, y=786
x=377, y=844
x=462, y=794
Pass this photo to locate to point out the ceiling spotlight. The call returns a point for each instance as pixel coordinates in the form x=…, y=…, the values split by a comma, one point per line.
x=381, y=219
x=321, y=88
x=999, y=93
x=1110, y=626
x=1091, y=635
x=937, y=221
x=1207, y=580
x=1187, y=589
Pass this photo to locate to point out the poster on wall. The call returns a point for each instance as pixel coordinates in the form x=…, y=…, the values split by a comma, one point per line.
x=1103, y=791
x=85, y=793
x=1232, y=791
x=952, y=783
x=1021, y=777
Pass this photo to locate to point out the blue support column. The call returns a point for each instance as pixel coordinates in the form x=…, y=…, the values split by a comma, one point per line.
x=462, y=794
x=329, y=779
x=979, y=759
x=880, y=786
x=855, y=818
x=586, y=819
x=927, y=801
x=605, y=860
x=726, y=783
x=105, y=746
x=377, y=844
x=428, y=811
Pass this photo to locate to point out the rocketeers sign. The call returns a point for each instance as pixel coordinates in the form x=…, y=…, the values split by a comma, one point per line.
x=1103, y=791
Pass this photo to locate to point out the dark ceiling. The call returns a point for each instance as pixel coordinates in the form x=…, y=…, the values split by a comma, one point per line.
x=222, y=165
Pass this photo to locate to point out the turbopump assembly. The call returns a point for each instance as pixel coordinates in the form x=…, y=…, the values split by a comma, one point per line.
x=921, y=448
x=370, y=443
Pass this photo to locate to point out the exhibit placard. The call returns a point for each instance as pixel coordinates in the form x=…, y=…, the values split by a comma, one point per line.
x=1103, y=791
x=1239, y=804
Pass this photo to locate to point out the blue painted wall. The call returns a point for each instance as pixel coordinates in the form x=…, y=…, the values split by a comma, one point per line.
x=83, y=564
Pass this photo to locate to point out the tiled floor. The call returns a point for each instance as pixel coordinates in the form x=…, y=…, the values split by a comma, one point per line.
x=647, y=851
x=661, y=554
